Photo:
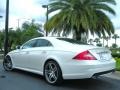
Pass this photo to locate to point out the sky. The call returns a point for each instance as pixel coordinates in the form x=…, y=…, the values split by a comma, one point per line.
x=26, y=10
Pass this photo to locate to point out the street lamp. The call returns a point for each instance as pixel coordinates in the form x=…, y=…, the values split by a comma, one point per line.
x=46, y=6
x=6, y=28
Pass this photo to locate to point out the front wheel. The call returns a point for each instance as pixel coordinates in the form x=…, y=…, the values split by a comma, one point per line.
x=7, y=64
x=52, y=73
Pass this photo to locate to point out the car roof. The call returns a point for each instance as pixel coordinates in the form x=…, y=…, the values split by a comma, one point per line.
x=56, y=42
x=48, y=38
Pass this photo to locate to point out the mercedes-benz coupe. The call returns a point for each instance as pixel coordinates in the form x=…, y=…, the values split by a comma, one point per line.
x=60, y=58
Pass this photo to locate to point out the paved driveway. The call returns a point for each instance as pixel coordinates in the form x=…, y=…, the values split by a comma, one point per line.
x=19, y=80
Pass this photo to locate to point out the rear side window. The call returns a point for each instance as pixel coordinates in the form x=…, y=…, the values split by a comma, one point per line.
x=71, y=41
x=43, y=43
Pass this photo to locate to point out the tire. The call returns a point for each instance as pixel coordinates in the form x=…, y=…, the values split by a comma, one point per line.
x=52, y=73
x=7, y=64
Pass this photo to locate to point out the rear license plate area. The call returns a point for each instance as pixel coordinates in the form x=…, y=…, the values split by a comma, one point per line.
x=104, y=56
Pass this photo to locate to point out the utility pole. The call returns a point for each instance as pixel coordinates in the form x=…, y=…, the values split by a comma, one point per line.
x=46, y=6
x=6, y=29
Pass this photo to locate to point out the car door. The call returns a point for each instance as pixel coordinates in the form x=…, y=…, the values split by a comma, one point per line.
x=39, y=54
x=24, y=54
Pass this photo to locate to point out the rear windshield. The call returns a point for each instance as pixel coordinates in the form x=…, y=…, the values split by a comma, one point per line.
x=72, y=41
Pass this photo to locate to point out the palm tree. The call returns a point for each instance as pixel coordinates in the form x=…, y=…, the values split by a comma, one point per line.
x=90, y=41
x=97, y=40
x=107, y=39
x=115, y=36
x=80, y=17
x=103, y=37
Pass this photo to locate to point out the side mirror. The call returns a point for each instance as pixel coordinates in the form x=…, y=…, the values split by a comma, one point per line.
x=18, y=47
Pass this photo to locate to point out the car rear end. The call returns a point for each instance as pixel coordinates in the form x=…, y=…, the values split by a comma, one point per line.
x=88, y=63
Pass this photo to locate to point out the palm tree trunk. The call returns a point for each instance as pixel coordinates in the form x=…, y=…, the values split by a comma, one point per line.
x=77, y=35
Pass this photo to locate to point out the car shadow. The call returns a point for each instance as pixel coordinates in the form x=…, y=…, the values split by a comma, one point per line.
x=25, y=73
x=100, y=83
x=88, y=84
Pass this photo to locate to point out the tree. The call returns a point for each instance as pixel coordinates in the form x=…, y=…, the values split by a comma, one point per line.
x=90, y=41
x=107, y=39
x=115, y=36
x=98, y=43
x=103, y=37
x=80, y=17
x=19, y=36
x=14, y=38
x=114, y=45
x=1, y=40
x=30, y=30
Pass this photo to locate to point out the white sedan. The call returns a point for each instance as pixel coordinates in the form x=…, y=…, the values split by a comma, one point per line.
x=60, y=58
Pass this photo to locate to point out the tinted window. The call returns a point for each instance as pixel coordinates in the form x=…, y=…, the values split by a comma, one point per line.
x=29, y=44
x=43, y=43
x=71, y=41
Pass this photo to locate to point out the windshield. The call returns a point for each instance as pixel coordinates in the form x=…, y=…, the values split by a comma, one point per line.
x=72, y=41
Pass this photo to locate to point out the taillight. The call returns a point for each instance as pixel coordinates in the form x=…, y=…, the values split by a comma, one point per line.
x=86, y=55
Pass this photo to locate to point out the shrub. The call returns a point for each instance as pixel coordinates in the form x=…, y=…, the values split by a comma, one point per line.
x=117, y=64
x=116, y=55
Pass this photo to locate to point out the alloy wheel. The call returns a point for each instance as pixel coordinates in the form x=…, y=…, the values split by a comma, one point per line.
x=7, y=64
x=52, y=73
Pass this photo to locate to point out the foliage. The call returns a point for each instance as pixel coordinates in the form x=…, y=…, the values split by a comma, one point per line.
x=115, y=36
x=30, y=30
x=116, y=55
x=99, y=44
x=115, y=52
x=1, y=40
x=117, y=64
x=80, y=17
x=19, y=36
x=90, y=41
x=97, y=40
x=114, y=45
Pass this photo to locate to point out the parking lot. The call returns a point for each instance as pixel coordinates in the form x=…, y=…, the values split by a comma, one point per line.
x=20, y=80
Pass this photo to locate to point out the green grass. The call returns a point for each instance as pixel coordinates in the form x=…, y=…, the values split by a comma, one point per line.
x=117, y=64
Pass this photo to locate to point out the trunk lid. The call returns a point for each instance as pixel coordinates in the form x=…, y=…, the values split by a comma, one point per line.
x=102, y=54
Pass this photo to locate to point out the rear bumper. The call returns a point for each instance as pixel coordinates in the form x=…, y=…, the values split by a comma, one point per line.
x=105, y=72
x=88, y=70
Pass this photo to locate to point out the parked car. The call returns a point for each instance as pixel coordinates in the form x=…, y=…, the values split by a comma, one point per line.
x=60, y=58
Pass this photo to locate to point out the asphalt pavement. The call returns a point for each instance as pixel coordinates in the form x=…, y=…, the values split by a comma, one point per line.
x=20, y=80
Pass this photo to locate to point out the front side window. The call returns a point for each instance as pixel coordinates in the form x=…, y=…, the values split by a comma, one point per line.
x=29, y=44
